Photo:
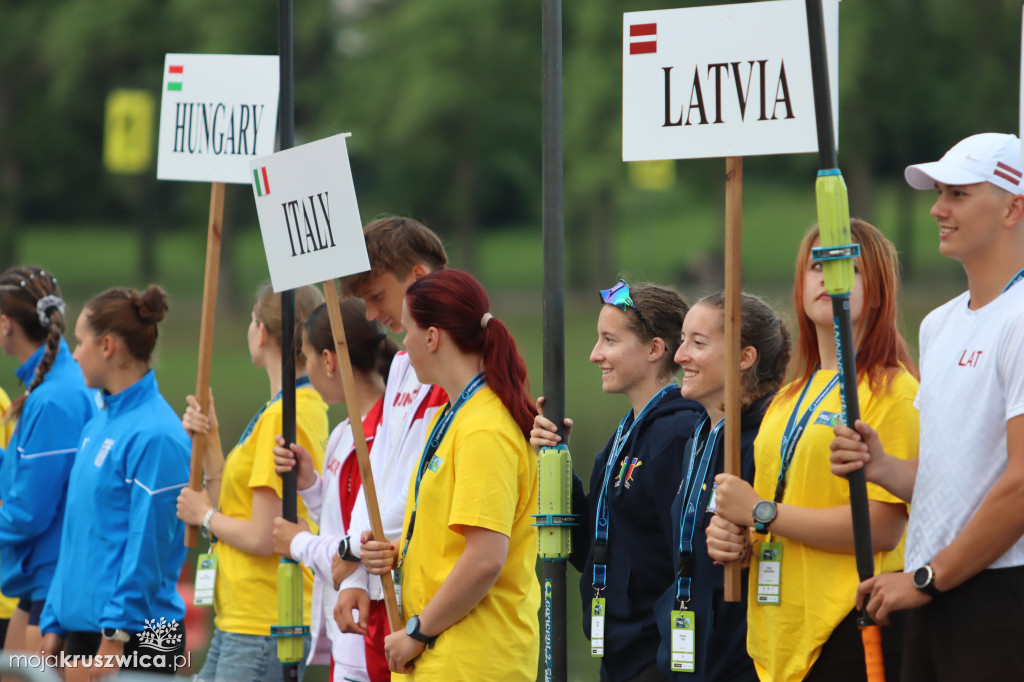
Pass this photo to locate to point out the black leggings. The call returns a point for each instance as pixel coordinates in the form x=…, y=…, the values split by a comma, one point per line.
x=842, y=655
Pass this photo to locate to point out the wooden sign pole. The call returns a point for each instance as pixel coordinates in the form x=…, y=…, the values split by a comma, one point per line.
x=213, y=238
x=359, y=437
x=733, y=288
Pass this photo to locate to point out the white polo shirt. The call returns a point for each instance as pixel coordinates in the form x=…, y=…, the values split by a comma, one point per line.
x=972, y=383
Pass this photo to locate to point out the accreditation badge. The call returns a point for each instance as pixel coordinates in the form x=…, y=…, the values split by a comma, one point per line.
x=684, y=640
x=769, y=572
x=206, y=580
x=597, y=627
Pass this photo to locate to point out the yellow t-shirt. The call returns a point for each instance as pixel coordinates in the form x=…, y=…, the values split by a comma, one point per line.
x=484, y=474
x=245, y=597
x=7, y=604
x=818, y=587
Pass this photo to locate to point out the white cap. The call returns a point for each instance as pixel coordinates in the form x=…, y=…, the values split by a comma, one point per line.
x=987, y=157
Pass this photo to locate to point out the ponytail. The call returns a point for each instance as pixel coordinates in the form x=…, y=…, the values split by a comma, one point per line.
x=30, y=296
x=454, y=301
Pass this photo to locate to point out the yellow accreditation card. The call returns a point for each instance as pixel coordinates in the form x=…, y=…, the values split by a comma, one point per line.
x=597, y=627
x=206, y=580
x=684, y=645
x=769, y=572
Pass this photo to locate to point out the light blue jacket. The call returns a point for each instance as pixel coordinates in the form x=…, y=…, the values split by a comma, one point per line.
x=123, y=545
x=34, y=473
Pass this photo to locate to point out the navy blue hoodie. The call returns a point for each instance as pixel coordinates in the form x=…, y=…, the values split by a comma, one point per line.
x=721, y=627
x=640, y=528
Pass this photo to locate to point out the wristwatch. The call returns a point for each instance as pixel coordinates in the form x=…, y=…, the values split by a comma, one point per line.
x=412, y=628
x=764, y=513
x=116, y=635
x=204, y=527
x=345, y=550
x=924, y=580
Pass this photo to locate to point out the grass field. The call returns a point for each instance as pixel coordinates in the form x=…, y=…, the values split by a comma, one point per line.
x=663, y=236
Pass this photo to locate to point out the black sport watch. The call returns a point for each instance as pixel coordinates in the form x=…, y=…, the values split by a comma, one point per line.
x=412, y=628
x=924, y=580
x=764, y=513
x=116, y=635
x=345, y=550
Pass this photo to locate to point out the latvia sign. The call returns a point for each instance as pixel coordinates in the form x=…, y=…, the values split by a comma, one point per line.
x=217, y=112
x=728, y=80
x=306, y=203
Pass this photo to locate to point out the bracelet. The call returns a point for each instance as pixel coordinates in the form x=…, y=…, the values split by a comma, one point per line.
x=209, y=479
x=204, y=526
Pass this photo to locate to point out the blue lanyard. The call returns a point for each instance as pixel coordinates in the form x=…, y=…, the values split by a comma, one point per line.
x=795, y=429
x=1016, y=278
x=433, y=443
x=601, y=525
x=692, y=488
x=299, y=383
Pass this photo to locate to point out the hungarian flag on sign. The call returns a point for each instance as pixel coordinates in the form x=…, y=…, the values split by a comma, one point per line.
x=175, y=76
x=262, y=184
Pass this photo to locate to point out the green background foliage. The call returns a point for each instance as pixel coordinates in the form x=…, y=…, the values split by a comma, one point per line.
x=443, y=100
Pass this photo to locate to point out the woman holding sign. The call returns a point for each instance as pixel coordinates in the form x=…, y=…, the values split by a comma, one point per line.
x=36, y=466
x=703, y=637
x=331, y=496
x=626, y=521
x=467, y=555
x=242, y=498
x=801, y=622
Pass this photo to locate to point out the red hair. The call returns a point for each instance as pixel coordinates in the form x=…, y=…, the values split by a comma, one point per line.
x=883, y=349
x=454, y=301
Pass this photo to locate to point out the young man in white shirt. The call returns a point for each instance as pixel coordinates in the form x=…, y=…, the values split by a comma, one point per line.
x=964, y=576
x=401, y=250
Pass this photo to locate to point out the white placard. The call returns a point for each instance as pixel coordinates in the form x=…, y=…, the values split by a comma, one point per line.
x=217, y=112
x=728, y=80
x=306, y=203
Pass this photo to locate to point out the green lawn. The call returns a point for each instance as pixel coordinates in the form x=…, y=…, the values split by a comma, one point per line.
x=663, y=235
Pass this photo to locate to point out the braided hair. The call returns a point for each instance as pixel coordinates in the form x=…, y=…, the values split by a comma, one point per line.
x=30, y=297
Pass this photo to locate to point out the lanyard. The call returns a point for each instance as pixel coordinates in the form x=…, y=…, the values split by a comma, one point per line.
x=692, y=488
x=299, y=383
x=795, y=429
x=433, y=443
x=1016, y=278
x=601, y=526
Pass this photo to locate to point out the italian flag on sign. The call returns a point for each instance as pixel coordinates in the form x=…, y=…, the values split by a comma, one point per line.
x=262, y=184
x=175, y=75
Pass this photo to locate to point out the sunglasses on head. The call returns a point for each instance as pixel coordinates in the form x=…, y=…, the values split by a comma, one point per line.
x=619, y=297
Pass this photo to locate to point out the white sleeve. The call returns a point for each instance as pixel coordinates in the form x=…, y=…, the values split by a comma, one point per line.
x=316, y=552
x=358, y=579
x=313, y=498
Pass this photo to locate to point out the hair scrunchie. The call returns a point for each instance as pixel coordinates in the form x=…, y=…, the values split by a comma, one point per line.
x=45, y=305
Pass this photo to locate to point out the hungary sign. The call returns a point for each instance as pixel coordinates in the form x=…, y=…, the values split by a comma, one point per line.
x=217, y=112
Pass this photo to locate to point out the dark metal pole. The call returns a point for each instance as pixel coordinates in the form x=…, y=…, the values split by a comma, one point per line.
x=553, y=496
x=290, y=649
x=837, y=252
x=286, y=131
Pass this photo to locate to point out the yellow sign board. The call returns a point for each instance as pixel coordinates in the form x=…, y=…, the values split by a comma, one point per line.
x=128, y=135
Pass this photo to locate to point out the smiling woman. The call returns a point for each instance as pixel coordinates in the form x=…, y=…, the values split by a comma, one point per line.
x=619, y=545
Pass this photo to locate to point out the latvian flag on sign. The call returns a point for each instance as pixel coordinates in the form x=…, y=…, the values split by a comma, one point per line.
x=643, y=38
x=1008, y=173
x=175, y=75
x=262, y=184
